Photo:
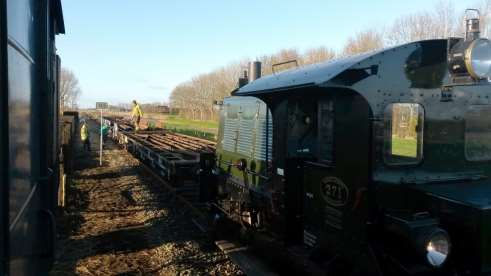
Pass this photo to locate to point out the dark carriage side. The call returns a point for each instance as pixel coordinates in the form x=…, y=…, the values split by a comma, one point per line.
x=29, y=117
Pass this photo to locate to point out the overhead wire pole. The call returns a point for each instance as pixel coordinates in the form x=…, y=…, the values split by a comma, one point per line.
x=101, y=106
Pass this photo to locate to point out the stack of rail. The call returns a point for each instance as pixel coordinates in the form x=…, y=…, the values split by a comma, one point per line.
x=123, y=123
x=183, y=161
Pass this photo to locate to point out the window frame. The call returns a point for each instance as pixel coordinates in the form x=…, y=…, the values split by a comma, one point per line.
x=387, y=139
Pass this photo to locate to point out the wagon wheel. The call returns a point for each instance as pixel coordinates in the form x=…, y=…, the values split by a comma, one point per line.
x=247, y=230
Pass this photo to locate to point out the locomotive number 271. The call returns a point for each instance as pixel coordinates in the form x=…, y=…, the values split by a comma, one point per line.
x=334, y=191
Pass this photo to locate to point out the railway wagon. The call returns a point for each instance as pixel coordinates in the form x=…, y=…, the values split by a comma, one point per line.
x=374, y=164
x=29, y=150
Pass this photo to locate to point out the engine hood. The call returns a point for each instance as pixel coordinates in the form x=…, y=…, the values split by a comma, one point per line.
x=475, y=194
x=464, y=209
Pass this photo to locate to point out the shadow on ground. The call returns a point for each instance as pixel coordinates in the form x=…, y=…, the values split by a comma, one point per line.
x=121, y=222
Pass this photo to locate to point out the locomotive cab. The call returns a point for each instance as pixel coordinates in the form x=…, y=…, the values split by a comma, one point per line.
x=319, y=165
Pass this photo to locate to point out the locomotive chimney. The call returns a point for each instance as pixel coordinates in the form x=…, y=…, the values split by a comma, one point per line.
x=472, y=31
x=254, y=70
x=244, y=79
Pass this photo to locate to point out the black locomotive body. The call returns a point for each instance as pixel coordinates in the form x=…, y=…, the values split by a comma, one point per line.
x=28, y=133
x=380, y=161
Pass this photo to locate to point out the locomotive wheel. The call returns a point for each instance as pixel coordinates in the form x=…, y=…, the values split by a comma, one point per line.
x=224, y=229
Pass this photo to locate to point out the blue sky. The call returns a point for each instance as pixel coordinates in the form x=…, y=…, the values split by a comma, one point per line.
x=141, y=49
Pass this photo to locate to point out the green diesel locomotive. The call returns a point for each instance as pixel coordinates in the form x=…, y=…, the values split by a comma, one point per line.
x=379, y=161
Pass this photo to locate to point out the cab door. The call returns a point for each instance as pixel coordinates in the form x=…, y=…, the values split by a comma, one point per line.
x=335, y=185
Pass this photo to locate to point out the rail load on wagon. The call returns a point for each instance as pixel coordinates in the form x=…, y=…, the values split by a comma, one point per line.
x=182, y=161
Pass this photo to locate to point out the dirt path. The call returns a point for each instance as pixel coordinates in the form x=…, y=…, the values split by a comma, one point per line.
x=119, y=221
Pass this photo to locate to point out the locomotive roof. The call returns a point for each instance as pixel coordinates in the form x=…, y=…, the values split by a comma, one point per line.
x=311, y=75
x=58, y=16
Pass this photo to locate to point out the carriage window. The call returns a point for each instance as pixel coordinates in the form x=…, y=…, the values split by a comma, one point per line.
x=403, y=134
x=478, y=133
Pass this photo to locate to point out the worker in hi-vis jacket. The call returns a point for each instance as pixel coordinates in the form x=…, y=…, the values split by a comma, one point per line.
x=136, y=115
x=84, y=136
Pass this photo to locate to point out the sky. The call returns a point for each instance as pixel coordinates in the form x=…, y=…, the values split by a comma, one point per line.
x=122, y=50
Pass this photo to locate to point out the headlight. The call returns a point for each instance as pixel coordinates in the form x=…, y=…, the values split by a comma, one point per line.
x=478, y=58
x=437, y=247
x=426, y=242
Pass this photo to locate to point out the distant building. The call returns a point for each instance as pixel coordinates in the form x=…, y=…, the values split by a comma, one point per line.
x=163, y=109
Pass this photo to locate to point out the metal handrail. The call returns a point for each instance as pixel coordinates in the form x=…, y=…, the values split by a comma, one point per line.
x=283, y=63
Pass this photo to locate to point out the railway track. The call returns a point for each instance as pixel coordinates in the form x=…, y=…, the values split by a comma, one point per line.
x=238, y=253
x=121, y=220
x=176, y=161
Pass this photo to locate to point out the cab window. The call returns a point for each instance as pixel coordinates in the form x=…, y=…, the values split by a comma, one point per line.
x=478, y=133
x=325, y=130
x=302, y=126
x=403, y=143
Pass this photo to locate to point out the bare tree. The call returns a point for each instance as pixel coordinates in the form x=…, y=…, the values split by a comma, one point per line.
x=441, y=22
x=283, y=55
x=365, y=41
x=69, y=90
x=194, y=98
x=411, y=28
x=316, y=55
x=447, y=23
x=485, y=9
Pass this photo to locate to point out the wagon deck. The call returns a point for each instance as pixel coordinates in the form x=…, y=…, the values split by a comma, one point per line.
x=177, y=158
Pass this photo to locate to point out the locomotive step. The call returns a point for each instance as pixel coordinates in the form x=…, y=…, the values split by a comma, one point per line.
x=244, y=258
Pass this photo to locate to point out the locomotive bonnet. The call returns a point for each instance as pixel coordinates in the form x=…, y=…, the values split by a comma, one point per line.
x=380, y=161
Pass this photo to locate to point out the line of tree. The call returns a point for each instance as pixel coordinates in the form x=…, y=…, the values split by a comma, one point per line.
x=194, y=98
x=154, y=107
x=69, y=90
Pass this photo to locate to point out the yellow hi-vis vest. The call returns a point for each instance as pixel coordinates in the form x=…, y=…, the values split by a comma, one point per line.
x=137, y=111
x=84, y=132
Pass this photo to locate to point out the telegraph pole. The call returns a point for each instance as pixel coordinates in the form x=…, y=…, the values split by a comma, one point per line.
x=101, y=106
